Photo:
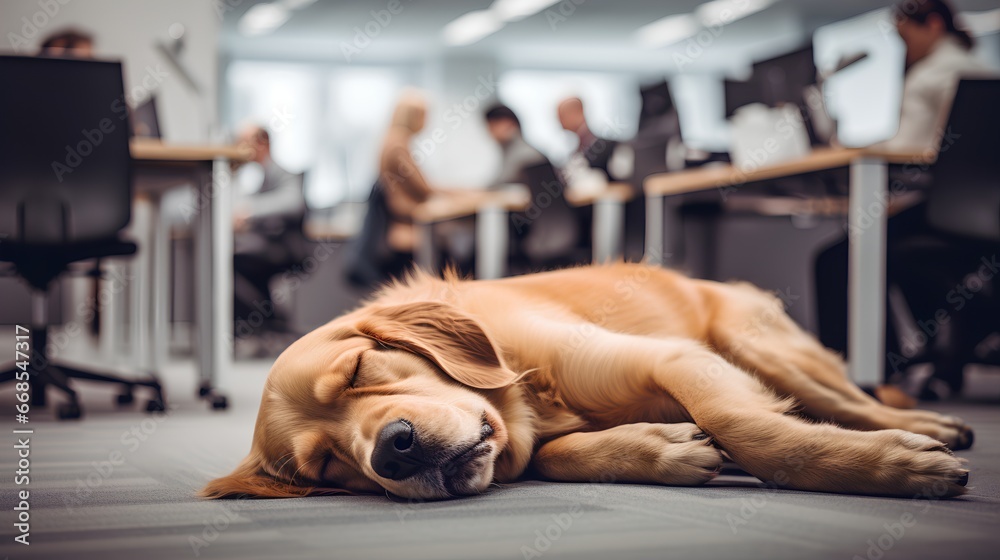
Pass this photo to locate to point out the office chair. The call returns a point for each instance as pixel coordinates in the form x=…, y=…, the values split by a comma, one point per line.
x=370, y=259
x=963, y=206
x=65, y=178
x=549, y=233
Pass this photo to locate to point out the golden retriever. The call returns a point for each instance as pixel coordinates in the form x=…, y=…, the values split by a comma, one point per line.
x=626, y=372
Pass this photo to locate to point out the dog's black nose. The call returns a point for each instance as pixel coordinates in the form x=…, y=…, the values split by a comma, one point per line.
x=397, y=455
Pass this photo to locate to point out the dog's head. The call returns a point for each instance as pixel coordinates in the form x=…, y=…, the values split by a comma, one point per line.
x=389, y=397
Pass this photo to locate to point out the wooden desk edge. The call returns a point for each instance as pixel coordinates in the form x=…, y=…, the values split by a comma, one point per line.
x=701, y=179
x=615, y=191
x=464, y=207
x=156, y=151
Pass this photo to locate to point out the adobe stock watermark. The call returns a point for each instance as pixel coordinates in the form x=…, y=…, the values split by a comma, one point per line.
x=214, y=527
x=893, y=532
x=455, y=116
x=32, y=25
x=131, y=440
x=946, y=138
x=959, y=296
x=561, y=12
x=92, y=139
x=625, y=289
x=293, y=278
x=561, y=523
x=365, y=34
x=785, y=128
x=696, y=45
x=114, y=283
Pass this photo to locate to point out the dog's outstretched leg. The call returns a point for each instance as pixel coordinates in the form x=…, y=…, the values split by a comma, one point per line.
x=673, y=454
x=752, y=330
x=752, y=424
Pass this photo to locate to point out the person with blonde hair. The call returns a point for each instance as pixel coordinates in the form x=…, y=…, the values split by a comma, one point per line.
x=386, y=242
x=399, y=177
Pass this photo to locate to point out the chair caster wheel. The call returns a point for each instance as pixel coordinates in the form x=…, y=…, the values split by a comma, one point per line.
x=125, y=399
x=69, y=411
x=219, y=402
x=155, y=405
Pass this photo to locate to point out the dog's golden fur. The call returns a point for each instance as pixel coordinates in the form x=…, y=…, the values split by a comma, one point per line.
x=621, y=372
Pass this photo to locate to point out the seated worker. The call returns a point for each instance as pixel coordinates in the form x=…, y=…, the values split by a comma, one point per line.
x=550, y=235
x=384, y=246
x=68, y=43
x=267, y=225
x=937, y=56
x=517, y=155
x=595, y=151
x=401, y=180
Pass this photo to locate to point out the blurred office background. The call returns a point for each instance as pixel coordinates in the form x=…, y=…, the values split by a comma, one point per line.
x=323, y=77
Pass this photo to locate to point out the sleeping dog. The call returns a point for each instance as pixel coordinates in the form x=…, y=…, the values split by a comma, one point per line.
x=437, y=387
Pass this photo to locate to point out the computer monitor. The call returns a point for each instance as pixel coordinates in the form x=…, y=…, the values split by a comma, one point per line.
x=146, y=120
x=739, y=93
x=656, y=103
x=783, y=79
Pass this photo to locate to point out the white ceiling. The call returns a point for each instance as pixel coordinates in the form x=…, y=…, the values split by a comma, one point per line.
x=598, y=34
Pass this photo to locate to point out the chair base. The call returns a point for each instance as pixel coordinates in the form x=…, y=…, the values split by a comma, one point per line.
x=44, y=373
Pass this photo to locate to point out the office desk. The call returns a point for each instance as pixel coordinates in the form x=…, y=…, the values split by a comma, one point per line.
x=608, y=234
x=157, y=168
x=866, y=217
x=491, y=209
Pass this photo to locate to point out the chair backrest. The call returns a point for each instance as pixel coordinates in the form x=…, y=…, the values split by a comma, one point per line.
x=965, y=196
x=65, y=166
x=554, y=226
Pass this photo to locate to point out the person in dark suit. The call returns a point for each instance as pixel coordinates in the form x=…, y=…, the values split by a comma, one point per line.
x=595, y=150
x=517, y=155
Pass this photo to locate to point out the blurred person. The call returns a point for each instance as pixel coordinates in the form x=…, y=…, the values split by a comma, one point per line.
x=938, y=54
x=937, y=57
x=517, y=155
x=402, y=182
x=384, y=246
x=547, y=234
x=267, y=225
x=595, y=151
x=69, y=43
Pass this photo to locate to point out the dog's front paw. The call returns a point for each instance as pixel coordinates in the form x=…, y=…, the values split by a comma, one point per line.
x=685, y=454
x=916, y=465
x=951, y=430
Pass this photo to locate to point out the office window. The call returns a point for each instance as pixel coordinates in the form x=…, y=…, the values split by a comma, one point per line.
x=864, y=98
x=327, y=121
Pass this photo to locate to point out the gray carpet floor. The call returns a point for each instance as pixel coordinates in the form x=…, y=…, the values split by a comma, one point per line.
x=120, y=484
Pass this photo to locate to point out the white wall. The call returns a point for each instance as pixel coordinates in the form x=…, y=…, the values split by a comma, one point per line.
x=129, y=31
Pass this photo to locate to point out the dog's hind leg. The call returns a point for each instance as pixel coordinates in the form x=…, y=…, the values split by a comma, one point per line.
x=672, y=454
x=744, y=418
x=752, y=330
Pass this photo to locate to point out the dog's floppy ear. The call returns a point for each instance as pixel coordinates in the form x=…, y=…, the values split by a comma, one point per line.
x=250, y=480
x=445, y=335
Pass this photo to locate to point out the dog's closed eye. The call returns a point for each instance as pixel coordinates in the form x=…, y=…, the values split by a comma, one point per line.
x=357, y=369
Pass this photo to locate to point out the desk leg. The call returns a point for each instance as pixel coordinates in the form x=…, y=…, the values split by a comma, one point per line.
x=654, y=230
x=222, y=268
x=866, y=269
x=609, y=224
x=160, y=279
x=111, y=301
x=205, y=317
x=140, y=290
x=426, y=254
x=491, y=242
